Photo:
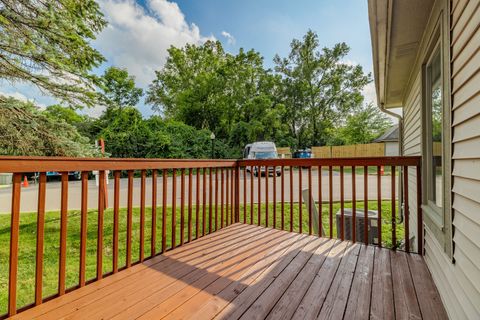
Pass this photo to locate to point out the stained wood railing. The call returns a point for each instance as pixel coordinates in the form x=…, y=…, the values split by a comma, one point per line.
x=300, y=211
x=219, y=206
x=209, y=195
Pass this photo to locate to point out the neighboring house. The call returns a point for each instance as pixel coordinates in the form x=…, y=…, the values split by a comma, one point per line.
x=390, y=140
x=427, y=61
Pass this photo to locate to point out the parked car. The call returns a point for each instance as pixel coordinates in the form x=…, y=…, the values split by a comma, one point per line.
x=261, y=150
x=303, y=154
x=75, y=175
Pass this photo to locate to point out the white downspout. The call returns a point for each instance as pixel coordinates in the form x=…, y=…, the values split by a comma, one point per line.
x=400, y=153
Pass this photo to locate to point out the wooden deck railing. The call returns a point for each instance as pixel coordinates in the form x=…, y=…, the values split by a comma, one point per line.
x=213, y=194
x=277, y=167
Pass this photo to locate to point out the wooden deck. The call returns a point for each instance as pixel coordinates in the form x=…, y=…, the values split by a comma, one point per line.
x=252, y=272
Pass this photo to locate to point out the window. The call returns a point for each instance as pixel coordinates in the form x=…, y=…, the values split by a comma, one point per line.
x=434, y=129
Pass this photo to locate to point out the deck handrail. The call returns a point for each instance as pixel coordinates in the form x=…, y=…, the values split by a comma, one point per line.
x=230, y=186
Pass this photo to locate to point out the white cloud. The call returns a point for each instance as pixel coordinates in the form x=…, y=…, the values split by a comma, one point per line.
x=137, y=38
x=229, y=37
x=369, y=93
x=33, y=94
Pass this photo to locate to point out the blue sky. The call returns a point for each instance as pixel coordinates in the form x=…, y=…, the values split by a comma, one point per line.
x=270, y=25
x=139, y=33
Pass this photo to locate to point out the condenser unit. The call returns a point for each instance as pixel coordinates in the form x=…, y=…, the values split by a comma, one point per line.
x=372, y=222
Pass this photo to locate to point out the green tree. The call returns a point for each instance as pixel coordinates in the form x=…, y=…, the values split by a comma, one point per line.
x=189, y=88
x=127, y=134
x=362, y=126
x=47, y=43
x=119, y=88
x=207, y=88
x=27, y=131
x=319, y=89
x=65, y=114
x=87, y=126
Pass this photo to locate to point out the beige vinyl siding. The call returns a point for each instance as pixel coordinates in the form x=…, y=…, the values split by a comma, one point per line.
x=458, y=282
x=461, y=280
x=412, y=133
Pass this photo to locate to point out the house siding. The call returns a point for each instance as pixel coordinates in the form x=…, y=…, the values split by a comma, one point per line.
x=412, y=142
x=458, y=282
x=465, y=86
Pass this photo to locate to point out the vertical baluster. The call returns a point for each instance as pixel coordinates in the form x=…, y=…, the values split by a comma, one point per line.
x=204, y=202
x=83, y=228
x=222, y=193
x=252, y=202
x=14, y=233
x=197, y=208
x=291, y=199
x=259, y=195
x=101, y=207
x=354, y=206
x=232, y=196
x=116, y=206
x=320, y=226
x=227, y=195
x=182, y=206
x=406, y=209
x=330, y=200
x=189, y=204
x=40, y=234
x=237, y=194
x=63, y=234
x=129, y=218
x=310, y=193
x=164, y=210
x=266, y=196
x=300, y=203
x=274, y=197
x=342, y=205
x=174, y=208
x=365, y=203
x=282, y=197
x=379, y=205
x=210, y=200
x=153, y=241
x=394, y=205
x=216, y=199
x=143, y=175
x=245, y=195
x=419, y=210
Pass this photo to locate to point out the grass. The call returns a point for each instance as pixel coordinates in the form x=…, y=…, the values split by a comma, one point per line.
x=27, y=241
x=359, y=170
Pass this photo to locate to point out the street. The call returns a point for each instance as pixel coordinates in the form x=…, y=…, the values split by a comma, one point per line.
x=29, y=195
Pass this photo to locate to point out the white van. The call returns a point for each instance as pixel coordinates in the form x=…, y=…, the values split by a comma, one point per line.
x=261, y=150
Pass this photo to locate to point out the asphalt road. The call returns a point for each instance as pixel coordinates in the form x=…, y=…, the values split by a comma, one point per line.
x=29, y=194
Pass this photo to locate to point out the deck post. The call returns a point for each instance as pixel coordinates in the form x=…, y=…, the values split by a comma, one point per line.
x=237, y=192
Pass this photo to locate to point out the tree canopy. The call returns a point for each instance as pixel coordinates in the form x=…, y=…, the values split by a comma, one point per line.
x=47, y=43
x=25, y=130
x=310, y=92
x=232, y=95
x=119, y=88
x=363, y=126
x=319, y=88
x=312, y=97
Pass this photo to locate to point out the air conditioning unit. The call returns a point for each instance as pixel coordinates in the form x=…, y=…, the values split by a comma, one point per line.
x=372, y=222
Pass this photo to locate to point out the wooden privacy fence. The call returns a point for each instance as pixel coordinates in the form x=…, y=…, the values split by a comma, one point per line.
x=224, y=194
x=351, y=151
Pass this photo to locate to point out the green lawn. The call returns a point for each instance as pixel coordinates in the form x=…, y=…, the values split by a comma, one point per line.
x=360, y=170
x=27, y=242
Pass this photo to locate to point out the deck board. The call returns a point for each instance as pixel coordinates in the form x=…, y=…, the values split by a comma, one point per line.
x=251, y=272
